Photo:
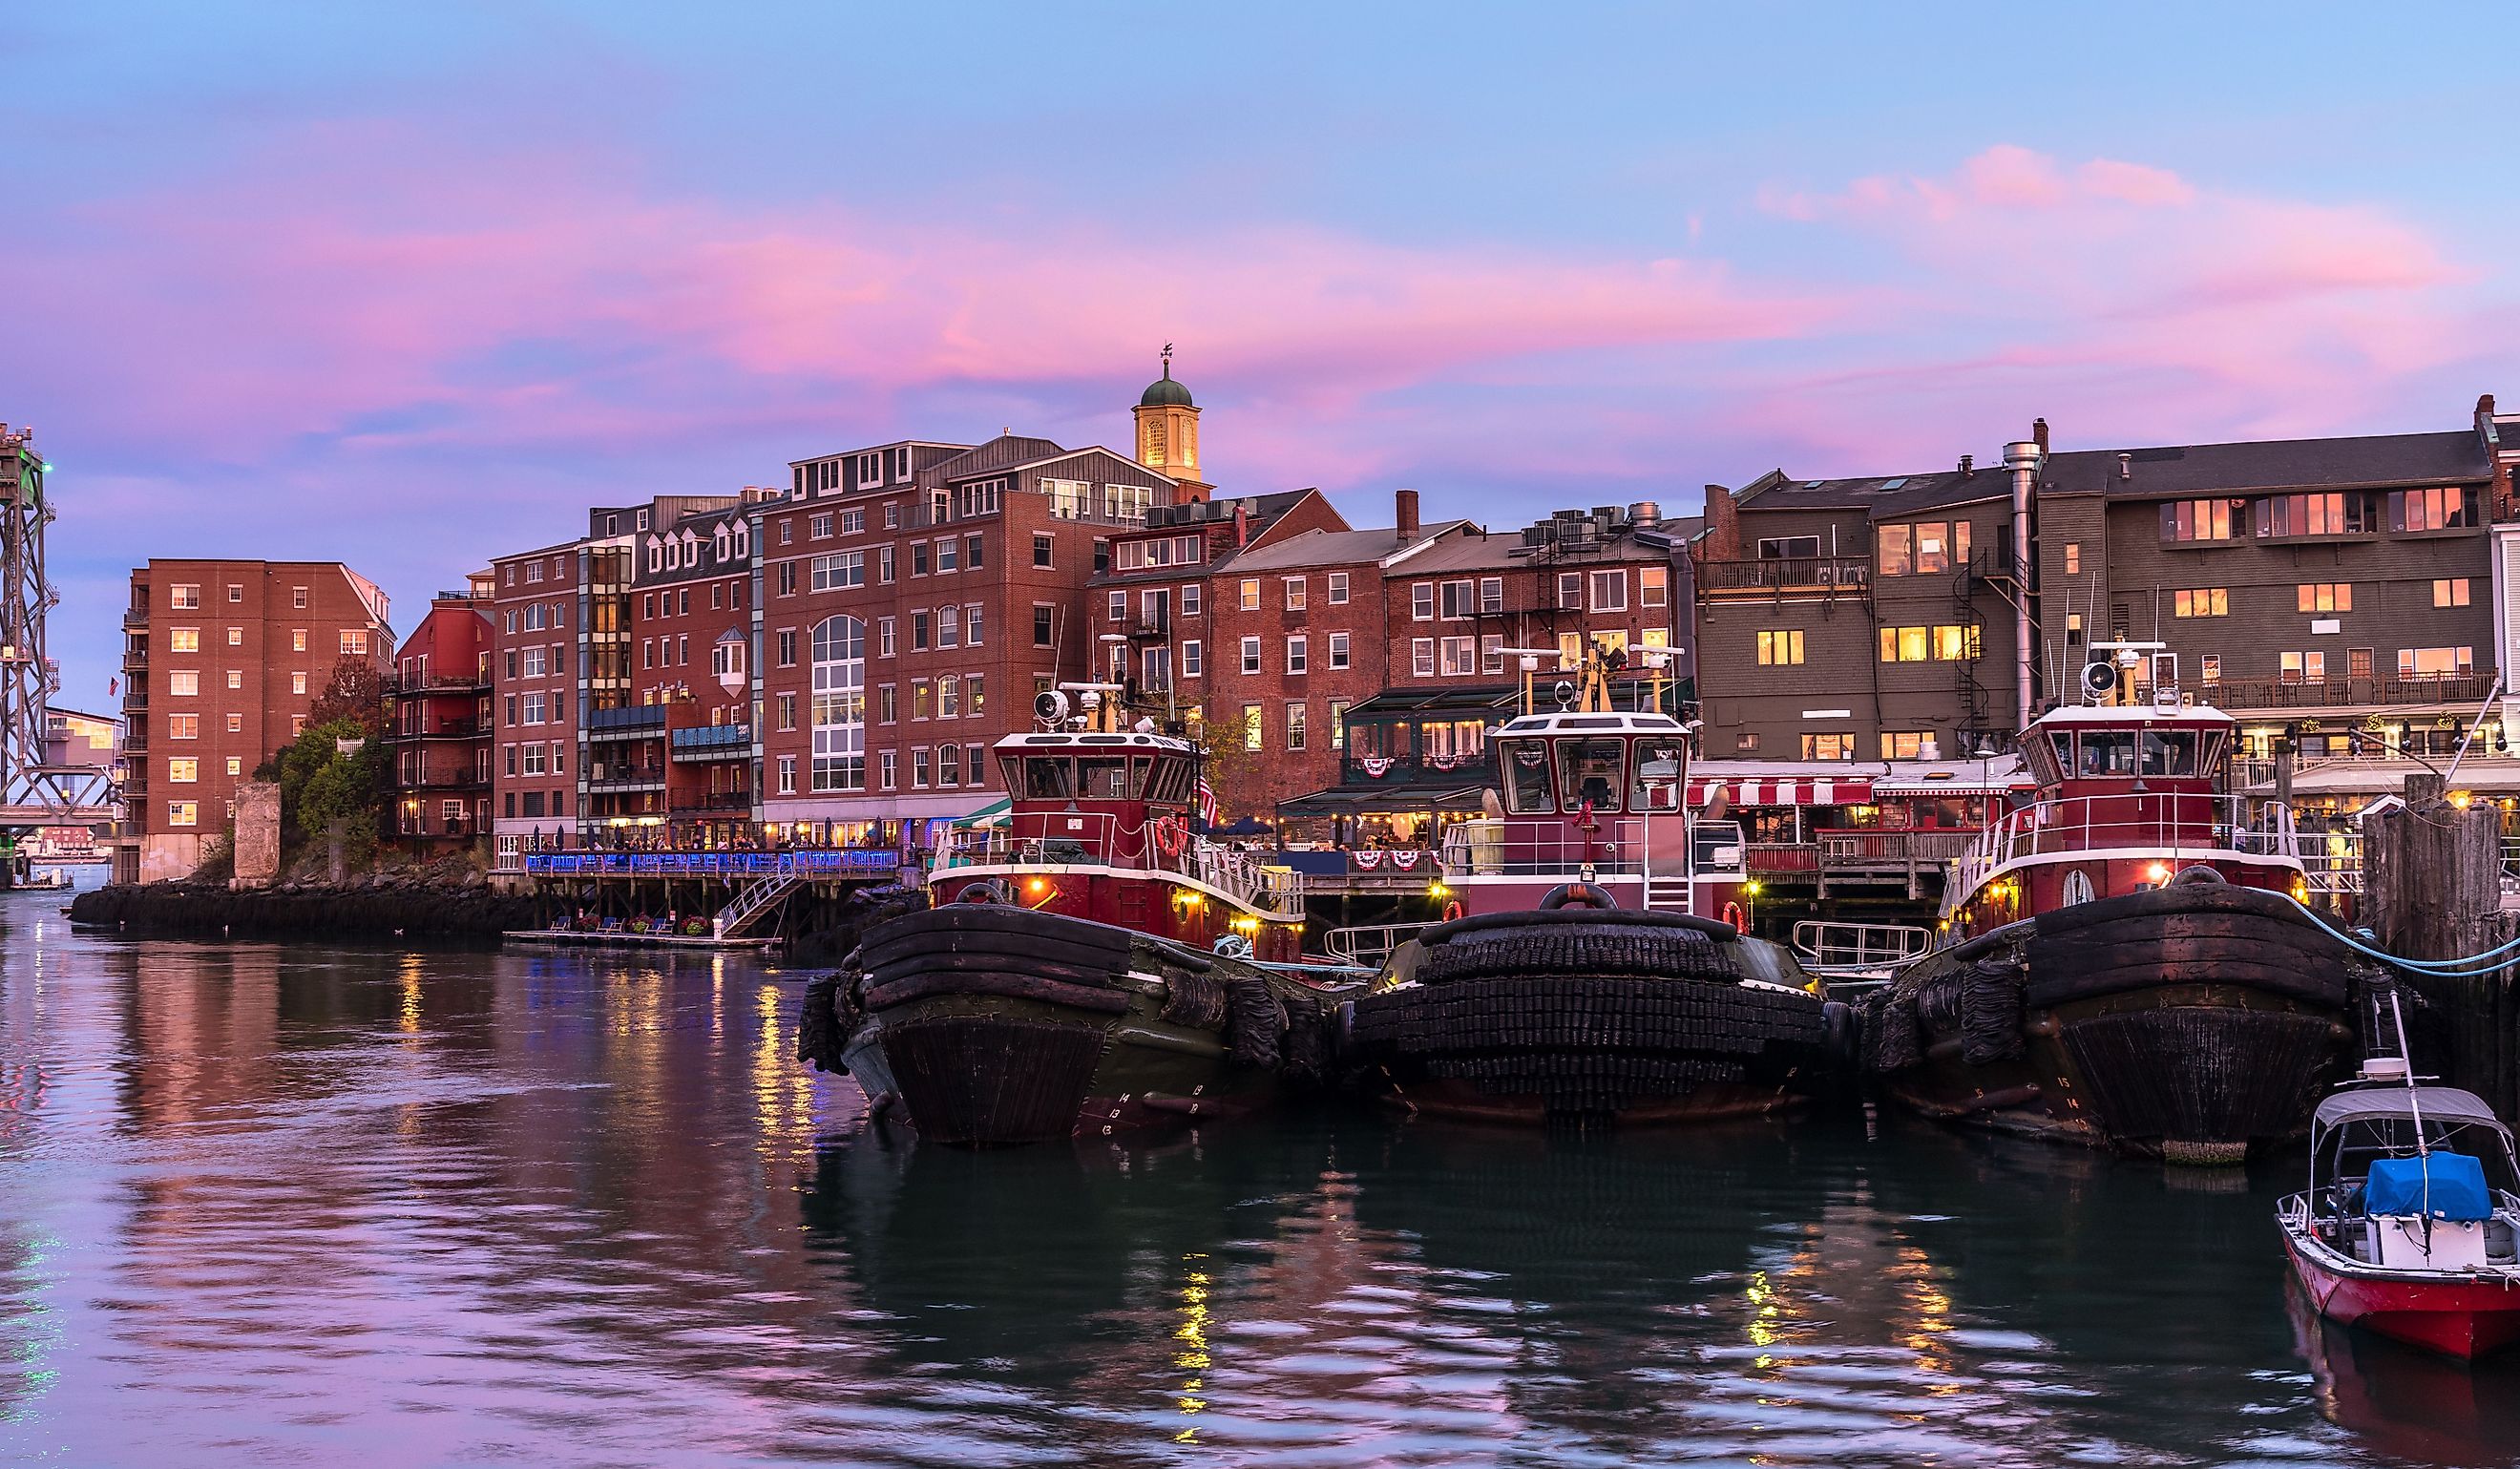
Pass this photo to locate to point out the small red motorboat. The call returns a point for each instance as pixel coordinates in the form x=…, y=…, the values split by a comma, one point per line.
x=2402, y=1230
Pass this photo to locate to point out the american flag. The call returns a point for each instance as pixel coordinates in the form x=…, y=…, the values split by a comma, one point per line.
x=1206, y=803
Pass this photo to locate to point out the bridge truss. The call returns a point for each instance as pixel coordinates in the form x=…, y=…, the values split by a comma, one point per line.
x=39, y=787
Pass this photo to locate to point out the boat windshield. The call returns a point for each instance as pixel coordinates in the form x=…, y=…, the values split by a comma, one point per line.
x=1657, y=775
x=2104, y=753
x=2167, y=753
x=1590, y=773
x=1090, y=777
x=1049, y=777
x=1526, y=777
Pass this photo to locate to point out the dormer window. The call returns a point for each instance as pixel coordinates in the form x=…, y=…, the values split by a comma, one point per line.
x=869, y=470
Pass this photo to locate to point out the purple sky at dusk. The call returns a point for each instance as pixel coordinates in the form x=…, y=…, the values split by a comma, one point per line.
x=411, y=285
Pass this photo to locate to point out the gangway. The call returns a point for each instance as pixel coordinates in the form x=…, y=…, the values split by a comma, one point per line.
x=1858, y=956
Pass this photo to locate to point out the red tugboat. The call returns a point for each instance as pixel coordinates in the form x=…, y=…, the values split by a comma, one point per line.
x=1583, y=976
x=2123, y=961
x=1089, y=964
x=2400, y=1230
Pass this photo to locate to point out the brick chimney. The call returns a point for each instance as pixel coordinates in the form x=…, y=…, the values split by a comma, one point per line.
x=2039, y=434
x=1723, y=538
x=1404, y=510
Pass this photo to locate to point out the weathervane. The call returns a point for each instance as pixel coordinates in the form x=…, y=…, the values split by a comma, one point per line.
x=1168, y=359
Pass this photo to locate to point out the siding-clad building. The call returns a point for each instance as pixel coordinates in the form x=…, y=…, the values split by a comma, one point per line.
x=443, y=723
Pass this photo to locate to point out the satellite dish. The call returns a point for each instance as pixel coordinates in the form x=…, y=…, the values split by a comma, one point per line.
x=1049, y=707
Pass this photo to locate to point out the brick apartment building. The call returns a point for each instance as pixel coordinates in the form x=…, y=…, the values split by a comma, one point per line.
x=691, y=717
x=223, y=660
x=443, y=721
x=913, y=600
x=2341, y=588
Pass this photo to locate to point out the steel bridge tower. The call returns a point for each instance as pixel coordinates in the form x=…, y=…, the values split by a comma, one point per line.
x=38, y=784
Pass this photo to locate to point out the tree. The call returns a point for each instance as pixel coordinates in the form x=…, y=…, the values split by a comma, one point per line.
x=1238, y=773
x=335, y=796
x=356, y=692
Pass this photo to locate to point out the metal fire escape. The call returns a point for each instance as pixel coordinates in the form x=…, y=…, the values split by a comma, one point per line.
x=39, y=787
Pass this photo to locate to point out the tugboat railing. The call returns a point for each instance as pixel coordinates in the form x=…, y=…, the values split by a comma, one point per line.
x=1664, y=845
x=2169, y=824
x=1100, y=839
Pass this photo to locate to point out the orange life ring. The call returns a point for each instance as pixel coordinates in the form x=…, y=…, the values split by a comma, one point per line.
x=1734, y=915
x=1452, y=910
x=1171, y=835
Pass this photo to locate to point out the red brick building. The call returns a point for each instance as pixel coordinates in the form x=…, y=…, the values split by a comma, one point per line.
x=443, y=721
x=913, y=597
x=223, y=660
x=692, y=626
x=533, y=610
x=1149, y=604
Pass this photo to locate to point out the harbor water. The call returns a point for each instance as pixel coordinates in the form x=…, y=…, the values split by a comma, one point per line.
x=267, y=1205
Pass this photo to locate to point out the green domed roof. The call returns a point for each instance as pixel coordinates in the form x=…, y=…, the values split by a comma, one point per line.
x=1164, y=392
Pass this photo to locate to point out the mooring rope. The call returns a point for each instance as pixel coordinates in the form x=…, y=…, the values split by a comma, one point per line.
x=2492, y=958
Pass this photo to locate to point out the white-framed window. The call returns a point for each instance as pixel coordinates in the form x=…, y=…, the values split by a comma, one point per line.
x=1653, y=586
x=1457, y=599
x=1422, y=657
x=1570, y=590
x=1248, y=595
x=853, y=523
x=1610, y=590
x=949, y=627
x=1044, y=549
x=1339, y=650
x=186, y=685
x=296, y=683
x=1338, y=723
x=1119, y=608
x=1192, y=664
x=183, y=770
x=2435, y=662
x=1421, y=601
x=919, y=768
x=884, y=637
x=186, y=597
x=1251, y=727
x=236, y=765
x=1296, y=593
x=535, y=758
x=183, y=814
x=183, y=727
x=1459, y=656
x=235, y=678
x=974, y=623
x=184, y=640
x=1189, y=600
x=1491, y=594
x=1295, y=718
x=1338, y=589
x=236, y=637
x=1250, y=656
x=831, y=573
x=838, y=708
x=1298, y=654
x=888, y=767
x=533, y=706
x=949, y=555
x=949, y=697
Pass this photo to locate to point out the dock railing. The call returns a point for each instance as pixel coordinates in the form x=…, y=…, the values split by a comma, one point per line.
x=840, y=863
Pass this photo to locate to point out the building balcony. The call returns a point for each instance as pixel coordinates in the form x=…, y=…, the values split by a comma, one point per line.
x=135, y=658
x=444, y=683
x=636, y=722
x=1145, y=629
x=135, y=619
x=632, y=778
x=715, y=801
x=712, y=742
x=445, y=780
x=2235, y=695
x=1776, y=576
x=443, y=729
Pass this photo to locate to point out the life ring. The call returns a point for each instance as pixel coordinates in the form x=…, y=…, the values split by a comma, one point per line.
x=2197, y=875
x=1452, y=910
x=1171, y=835
x=1734, y=915
x=981, y=892
x=1590, y=895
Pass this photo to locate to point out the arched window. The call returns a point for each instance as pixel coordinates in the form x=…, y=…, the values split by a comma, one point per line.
x=839, y=704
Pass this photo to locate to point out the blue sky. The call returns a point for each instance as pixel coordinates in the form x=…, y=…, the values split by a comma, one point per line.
x=409, y=285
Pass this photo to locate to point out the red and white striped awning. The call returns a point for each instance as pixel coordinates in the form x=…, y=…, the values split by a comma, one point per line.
x=1783, y=792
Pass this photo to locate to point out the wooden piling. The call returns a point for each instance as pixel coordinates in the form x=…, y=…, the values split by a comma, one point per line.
x=2432, y=888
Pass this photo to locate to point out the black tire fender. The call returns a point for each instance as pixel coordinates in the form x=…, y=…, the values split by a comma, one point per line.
x=1585, y=894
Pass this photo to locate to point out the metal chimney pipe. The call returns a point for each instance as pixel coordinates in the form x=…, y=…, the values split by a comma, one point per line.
x=2022, y=458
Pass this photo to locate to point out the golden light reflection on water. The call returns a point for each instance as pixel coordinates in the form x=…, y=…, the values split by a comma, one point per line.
x=408, y=979
x=1192, y=1358
x=782, y=1091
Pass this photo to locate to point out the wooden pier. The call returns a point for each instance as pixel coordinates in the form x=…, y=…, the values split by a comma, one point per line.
x=2433, y=887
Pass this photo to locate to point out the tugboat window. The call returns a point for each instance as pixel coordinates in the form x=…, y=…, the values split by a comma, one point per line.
x=1657, y=784
x=1101, y=779
x=2170, y=752
x=2107, y=752
x=1049, y=778
x=1526, y=779
x=1590, y=771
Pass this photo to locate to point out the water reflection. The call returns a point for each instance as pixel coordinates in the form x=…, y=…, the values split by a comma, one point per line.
x=263, y=1204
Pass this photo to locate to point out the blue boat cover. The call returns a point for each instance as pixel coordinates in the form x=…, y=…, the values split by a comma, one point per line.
x=2458, y=1193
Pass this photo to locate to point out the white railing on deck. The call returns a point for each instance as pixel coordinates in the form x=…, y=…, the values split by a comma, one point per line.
x=1554, y=847
x=1100, y=839
x=2168, y=823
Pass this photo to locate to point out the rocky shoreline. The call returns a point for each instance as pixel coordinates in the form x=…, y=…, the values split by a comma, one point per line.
x=404, y=910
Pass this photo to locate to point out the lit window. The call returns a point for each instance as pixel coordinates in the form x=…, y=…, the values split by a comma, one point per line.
x=184, y=640
x=1829, y=747
x=2451, y=593
x=2202, y=601
x=1295, y=593
x=1782, y=647
x=1250, y=599
x=183, y=771
x=2324, y=597
x=183, y=814
x=1251, y=727
x=183, y=685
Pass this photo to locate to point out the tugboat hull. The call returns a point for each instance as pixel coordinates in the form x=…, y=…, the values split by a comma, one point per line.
x=1604, y=1014
x=2187, y=1021
x=988, y=1025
